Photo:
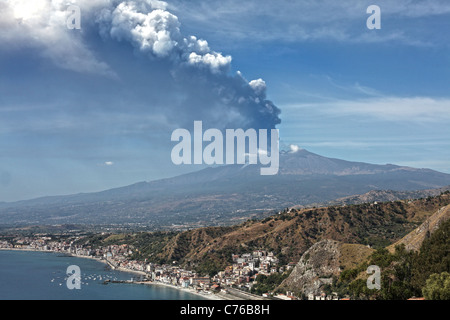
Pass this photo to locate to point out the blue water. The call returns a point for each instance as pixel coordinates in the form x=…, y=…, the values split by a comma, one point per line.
x=42, y=276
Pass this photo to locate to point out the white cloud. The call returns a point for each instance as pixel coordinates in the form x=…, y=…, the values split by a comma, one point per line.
x=216, y=62
x=198, y=77
x=294, y=148
x=398, y=109
x=157, y=32
x=42, y=25
x=304, y=20
x=259, y=86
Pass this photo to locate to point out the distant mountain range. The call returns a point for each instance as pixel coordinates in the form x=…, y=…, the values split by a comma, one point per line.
x=224, y=195
x=385, y=196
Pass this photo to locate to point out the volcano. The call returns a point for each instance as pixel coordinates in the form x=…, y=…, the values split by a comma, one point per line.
x=223, y=195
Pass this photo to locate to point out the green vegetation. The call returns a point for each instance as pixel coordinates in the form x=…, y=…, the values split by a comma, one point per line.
x=268, y=283
x=404, y=274
x=148, y=245
x=211, y=264
x=209, y=267
x=289, y=234
x=434, y=255
x=437, y=287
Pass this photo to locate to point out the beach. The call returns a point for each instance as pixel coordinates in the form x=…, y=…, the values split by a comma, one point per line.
x=210, y=296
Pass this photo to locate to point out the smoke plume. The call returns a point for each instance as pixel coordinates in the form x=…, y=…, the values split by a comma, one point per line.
x=200, y=77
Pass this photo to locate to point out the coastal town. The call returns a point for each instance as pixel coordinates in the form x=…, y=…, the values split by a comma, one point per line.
x=235, y=282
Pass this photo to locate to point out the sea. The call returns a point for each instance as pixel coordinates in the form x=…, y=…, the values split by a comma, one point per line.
x=27, y=275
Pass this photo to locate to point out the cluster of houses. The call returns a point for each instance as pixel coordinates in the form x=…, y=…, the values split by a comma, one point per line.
x=246, y=267
x=6, y=245
x=118, y=257
x=242, y=273
x=36, y=244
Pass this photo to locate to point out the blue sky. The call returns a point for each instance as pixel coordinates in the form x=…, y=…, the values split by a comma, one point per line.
x=91, y=109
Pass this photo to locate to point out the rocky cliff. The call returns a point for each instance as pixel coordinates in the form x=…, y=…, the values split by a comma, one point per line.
x=317, y=266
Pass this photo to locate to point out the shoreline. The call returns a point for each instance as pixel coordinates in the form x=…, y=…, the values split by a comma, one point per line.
x=211, y=296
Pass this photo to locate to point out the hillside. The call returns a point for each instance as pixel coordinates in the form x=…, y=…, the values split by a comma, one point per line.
x=404, y=273
x=320, y=263
x=291, y=233
x=331, y=247
x=330, y=264
x=387, y=195
x=224, y=195
x=414, y=239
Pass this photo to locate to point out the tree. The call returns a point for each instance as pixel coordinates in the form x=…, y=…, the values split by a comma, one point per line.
x=433, y=257
x=437, y=287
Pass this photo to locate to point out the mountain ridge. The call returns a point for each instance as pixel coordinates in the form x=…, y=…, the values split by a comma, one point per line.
x=413, y=240
x=223, y=195
x=358, y=228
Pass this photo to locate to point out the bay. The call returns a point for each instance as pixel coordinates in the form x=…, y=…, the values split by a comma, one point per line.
x=26, y=275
